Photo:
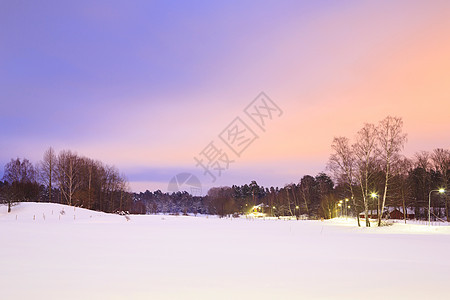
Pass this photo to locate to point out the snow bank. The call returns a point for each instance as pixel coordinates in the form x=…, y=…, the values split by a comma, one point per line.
x=103, y=256
x=39, y=212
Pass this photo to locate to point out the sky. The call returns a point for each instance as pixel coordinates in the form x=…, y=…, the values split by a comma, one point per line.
x=147, y=86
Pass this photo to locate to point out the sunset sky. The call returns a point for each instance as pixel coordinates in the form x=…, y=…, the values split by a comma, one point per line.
x=147, y=85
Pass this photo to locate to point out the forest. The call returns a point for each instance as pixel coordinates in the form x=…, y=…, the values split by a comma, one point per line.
x=66, y=178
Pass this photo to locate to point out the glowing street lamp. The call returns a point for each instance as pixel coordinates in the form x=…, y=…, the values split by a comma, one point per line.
x=441, y=191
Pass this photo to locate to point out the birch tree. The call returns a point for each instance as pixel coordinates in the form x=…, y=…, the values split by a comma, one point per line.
x=47, y=170
x=391, y=141
x=342, y=165
x=364, y=149
x=68, y=174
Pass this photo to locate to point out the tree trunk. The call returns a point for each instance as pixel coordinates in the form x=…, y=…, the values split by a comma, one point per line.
x=50, y=186
x=355, y=208
x=405, y=213
x=384, y=194
x=366, y=212
x=306, y=203
x=378, y=211
x=366, y=201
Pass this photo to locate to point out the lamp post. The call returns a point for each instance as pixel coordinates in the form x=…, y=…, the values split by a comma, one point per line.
x=441, y=191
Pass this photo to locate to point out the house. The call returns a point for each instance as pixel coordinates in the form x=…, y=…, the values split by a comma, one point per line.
x=394, y=213
x=397, y=213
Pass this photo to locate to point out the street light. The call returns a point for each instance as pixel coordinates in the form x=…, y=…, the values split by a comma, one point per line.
x=441, y=191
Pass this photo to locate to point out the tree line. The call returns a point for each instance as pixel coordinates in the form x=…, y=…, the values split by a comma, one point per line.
x=293, y=199
x=66, y=178
x=362, y=176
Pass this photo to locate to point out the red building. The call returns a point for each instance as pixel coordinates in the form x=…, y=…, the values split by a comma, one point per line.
x=394, y=213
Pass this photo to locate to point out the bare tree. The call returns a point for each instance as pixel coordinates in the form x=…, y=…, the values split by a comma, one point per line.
x=68, y=169
x=124, y=188
x=21, y=179
x=47, y=170
x=364, y=149
x=342, y=165
x=89, y=168
x=422, y=160
x=401, y=171
x=88, y=178
x=112, y=185
x=391, y=141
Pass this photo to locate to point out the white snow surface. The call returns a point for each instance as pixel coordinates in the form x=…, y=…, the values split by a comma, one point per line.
x=83, y=254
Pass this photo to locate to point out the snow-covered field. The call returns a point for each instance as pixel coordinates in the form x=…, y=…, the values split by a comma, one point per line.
x=90, y=255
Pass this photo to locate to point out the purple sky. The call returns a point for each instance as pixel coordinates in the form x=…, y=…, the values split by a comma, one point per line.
x=147, y=86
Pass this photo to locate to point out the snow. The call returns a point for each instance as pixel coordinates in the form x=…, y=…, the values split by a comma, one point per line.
x=83, y=254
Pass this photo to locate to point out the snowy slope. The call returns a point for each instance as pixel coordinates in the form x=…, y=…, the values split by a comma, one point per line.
x=103, y=256
x=39, y=212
